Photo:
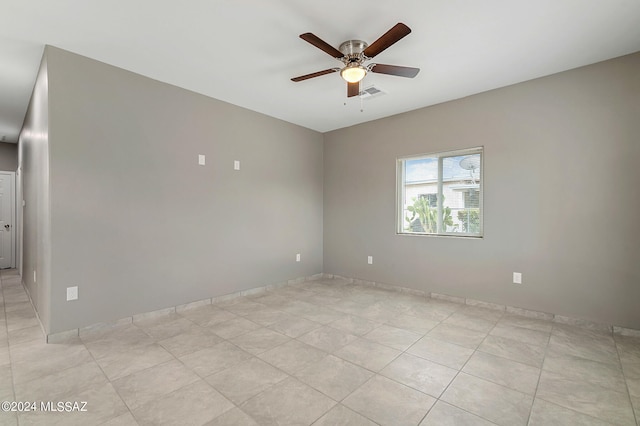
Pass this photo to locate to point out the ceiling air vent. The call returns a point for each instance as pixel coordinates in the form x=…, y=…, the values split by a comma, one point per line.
x=371, y=92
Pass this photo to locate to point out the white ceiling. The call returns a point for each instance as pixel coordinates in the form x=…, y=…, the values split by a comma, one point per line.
x=245, y=52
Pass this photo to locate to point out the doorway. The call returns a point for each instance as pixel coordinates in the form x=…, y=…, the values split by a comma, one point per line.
x=7, y=220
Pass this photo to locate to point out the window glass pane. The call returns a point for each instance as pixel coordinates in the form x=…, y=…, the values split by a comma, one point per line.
x=420, y=195
x=461, y=193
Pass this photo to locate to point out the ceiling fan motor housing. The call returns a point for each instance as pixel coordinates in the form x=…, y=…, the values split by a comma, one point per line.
x=352, y=50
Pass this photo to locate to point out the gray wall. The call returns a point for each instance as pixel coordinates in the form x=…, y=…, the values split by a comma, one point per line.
x=138, y=225
x=112, y=186
x=8, y=156
x=36, y=214
x=561, y=196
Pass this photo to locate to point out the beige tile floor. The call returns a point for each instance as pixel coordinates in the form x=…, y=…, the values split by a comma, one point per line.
x=323, y=353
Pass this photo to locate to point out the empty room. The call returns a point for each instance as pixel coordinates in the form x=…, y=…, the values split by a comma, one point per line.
x=330, y=213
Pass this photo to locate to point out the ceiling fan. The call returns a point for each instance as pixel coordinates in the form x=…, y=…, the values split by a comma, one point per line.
x=354, y=53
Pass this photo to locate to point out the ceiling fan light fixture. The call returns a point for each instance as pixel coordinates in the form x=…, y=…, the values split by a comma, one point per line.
x=353, y=72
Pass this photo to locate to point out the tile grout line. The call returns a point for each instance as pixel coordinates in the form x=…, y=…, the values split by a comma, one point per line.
x=175, y=358
x=535, y=393
x=624, y=376
x=475, y=350
x=338, y=402
x=460, y=371
x=266, y=289
x=292, y=376
x=514, y=310
x=557, y=326
x=108, y=381
x=438, y=398
x=374, y=373
x=451, y=381
x=155, y=341
x=253, y=356
x=6, y=320
x=283, y=343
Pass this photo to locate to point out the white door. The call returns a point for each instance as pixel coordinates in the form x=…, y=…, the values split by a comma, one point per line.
x=7, y=229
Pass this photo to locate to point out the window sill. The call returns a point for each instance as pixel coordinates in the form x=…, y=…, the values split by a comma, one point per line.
x=417, y=234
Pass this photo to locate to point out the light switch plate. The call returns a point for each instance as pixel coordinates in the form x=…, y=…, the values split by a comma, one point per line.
x=517, y=278
x=370, y=260
x=236, y=165
x=201, y=160
x=298, y=257
x=72, y=293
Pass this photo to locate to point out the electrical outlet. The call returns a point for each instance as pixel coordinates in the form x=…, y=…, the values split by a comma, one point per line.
x=236, y=165
x=34, y=276
x=72, y=293
x=201, y=160
x=298, y=257
x=517, y=278
x=370, y=260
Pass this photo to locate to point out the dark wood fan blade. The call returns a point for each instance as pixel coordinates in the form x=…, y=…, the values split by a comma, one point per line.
x=389, y=38
x=395, y=70
x=353, y=89
x=321, y=44
x=315, y=74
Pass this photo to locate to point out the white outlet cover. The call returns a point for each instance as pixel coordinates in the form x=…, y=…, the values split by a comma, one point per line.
x=517, y=278
x=370, y=260
x=72, y=293
x=298, y=257
x=201, y=160
x=236, y=165
x=34, y=276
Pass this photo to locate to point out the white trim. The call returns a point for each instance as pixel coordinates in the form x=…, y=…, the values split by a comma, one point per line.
x=400, y=192
x=14, y=227
x=72, y=334
x=12, y=200
x=507, y=309
x=453, y=153
x=19, y=219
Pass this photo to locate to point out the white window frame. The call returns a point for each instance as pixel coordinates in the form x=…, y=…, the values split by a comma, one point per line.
x=400, y=192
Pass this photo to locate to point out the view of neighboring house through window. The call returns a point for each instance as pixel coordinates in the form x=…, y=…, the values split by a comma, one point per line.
x=441, y=194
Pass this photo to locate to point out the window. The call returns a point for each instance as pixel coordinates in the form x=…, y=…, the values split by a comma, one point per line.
x=441, y=194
